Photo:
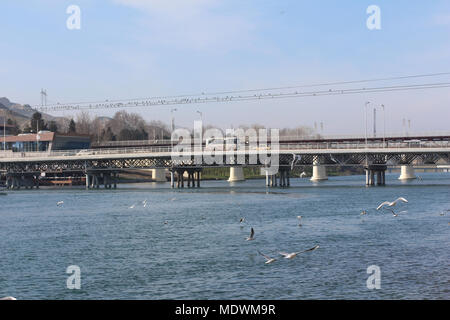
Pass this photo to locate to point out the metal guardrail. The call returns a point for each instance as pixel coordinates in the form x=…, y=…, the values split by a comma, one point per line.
x=317, y=137
x=282, y=147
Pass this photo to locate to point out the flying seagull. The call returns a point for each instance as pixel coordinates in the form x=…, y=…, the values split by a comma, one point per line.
x=391, y=204
x=252, y=233
x=59, y=203
x=294, y=254
x=396, y=214
x=268, y=259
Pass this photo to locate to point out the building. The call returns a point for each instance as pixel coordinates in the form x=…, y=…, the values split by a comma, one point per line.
x=45, y=141
x=5, y=128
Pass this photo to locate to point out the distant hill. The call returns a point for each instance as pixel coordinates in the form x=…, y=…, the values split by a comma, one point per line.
x=21, y=112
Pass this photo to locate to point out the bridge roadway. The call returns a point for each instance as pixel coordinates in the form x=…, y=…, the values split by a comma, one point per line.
x=101, y=166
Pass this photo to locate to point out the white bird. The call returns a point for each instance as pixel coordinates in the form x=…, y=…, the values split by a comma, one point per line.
x=395, y=214
x=132, y=206
x=299, y=219
x=363, y=212
x=294, y=254
x=268, y=259
x=391, y=204
x=59, y=203
x=8, y=298
x=252, y=233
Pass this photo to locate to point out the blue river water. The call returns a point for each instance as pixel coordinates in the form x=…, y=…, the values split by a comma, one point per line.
x=189, y=244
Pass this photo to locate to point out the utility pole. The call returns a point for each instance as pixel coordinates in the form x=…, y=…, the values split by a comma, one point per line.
x=43, y=97
x=384, y=126
x=172, y=127
x=365, y=112
x=374, y=122
x=4, y=131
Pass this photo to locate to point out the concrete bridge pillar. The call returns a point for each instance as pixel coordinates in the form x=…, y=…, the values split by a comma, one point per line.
x=159, y=175
x=319, y=172
x=407, y=173
x=236, y=174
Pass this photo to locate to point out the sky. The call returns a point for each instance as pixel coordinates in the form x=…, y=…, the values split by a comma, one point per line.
x=142, y=48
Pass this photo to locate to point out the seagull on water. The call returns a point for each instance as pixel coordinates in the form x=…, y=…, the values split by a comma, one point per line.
x=252, y=234
x=294, y=254
x=242, y=220
x=363, y=212
x=132, y=206
x=268, y=259
x=391, y=204
x=299, y=219
x=59, y=203
x=8, y=298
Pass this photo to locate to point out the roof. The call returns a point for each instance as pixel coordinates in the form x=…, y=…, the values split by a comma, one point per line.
x=46, y=136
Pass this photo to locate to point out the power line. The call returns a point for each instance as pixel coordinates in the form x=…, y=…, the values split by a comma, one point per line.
x=261, y=89
x=229, y=98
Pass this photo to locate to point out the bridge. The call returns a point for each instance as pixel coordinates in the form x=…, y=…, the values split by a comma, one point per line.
x=101, y=166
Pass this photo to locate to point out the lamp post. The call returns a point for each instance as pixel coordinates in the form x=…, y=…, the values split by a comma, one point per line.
x=384, y=126
x=172, y=126
x=365, y=112
x=4, y=131
x=201, y=116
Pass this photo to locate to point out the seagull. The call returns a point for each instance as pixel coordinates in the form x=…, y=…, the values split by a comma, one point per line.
x=396, y=214
x=294, y=254
x=131, y=207
x=299, y=219
x=391, y=204
x=269, y=259
x=252, y=233
x=8, y=298
x=242, y=220
x=59, y=203
x=363, y=212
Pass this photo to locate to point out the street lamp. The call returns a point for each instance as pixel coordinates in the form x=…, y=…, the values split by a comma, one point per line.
x=384, y=126
x=365, y=111
x=172, y=126
x=201, y=115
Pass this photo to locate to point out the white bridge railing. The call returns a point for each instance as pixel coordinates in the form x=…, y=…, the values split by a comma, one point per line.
x=282, y=147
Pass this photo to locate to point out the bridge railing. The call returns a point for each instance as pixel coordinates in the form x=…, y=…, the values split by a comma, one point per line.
x=284, y=146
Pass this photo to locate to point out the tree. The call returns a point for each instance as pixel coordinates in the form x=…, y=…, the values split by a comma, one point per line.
x=37, y=123
x=15, y=130
x=72, y=126
x=53, y=126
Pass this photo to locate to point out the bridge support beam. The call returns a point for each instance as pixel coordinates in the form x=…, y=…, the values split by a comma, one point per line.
x=236, y=174
x=407, y=173
x=159, y=175
x=319, y=172
x=191, y=174
x=376, y=174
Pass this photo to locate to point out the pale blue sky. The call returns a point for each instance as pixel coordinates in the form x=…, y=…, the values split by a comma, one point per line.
x=138, y=48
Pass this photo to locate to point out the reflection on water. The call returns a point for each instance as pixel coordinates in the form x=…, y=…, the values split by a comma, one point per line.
x=189, y=244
